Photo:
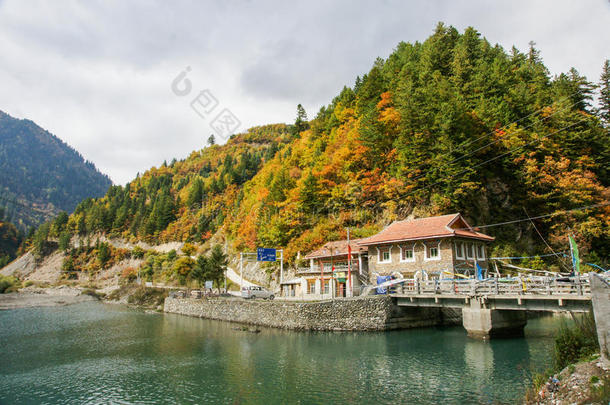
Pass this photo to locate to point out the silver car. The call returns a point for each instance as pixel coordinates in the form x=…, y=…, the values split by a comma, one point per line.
x=256, y=292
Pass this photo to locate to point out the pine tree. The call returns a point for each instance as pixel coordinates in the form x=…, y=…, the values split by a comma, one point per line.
x=310, y=194
x=300, y=123
x=211, y=140
x=103, y=253
x=195, y=194
x=64, y=241
x=604, y=96
x=217, y=264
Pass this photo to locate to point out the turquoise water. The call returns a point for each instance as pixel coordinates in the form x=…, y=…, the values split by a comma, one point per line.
x=100, y=353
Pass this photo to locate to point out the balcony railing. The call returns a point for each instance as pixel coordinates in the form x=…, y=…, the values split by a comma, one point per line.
x=327, y=269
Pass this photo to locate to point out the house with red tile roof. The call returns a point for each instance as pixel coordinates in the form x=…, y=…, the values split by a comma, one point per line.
x=436, y=247
x=330, y=266
x=440, y=246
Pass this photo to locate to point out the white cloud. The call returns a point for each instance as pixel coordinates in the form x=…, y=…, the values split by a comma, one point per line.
x=98, y=74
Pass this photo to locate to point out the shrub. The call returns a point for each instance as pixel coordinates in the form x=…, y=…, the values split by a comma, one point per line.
x=138, y=252
x=92, y=293
x=188, y=249
x=575, y=342
x=147, y=296
x=8, y=284
x=129, y=274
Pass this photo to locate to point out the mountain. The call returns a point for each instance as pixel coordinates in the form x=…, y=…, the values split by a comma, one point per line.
x=41, y=174
x=451, y=124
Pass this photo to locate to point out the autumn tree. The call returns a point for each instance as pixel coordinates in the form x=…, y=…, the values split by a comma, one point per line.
x=182, y=268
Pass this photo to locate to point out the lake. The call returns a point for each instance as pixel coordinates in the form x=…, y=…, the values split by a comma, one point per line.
x=101, y=353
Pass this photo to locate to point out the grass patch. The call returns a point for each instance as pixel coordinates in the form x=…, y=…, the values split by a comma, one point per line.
x=600, y=393
x=576, y=342
x=538, y=380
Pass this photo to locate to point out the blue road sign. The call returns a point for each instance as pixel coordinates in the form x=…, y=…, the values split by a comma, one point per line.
x=265, y=255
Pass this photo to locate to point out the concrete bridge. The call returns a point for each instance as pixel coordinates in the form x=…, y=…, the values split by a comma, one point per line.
x=498, y=307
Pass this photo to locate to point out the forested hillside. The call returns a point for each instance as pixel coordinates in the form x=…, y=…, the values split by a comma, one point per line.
x=452, y=124
x=41, y=175
x=10, y=239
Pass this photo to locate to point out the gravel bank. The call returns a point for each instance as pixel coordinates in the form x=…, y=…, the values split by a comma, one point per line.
x=43, y=297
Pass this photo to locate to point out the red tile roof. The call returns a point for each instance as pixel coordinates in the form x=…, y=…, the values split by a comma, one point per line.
x=339, y=248
x=426, y=228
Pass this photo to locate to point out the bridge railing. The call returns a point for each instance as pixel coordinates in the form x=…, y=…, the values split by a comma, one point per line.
x=517, y=286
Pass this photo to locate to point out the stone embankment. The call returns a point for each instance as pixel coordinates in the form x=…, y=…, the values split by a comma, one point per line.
x=365, y=313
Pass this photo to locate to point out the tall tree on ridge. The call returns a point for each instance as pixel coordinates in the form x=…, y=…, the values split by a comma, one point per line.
x=604, y=93
x=301, y=123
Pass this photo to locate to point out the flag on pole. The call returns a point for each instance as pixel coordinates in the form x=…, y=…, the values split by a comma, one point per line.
x=575, y=258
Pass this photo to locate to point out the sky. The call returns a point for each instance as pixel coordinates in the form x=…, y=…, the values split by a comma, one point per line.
x=130, y=84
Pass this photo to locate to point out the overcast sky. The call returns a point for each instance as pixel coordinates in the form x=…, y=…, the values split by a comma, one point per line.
x=98, y=74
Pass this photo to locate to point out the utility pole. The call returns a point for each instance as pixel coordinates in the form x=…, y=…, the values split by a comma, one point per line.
x=332, y=270
x=225, y=272
x=349, y=291
x=281, y=266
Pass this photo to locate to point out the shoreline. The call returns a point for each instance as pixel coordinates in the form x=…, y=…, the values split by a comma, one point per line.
x=43, y=297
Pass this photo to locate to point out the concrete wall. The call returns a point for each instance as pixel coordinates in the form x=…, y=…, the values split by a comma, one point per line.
x=600, y=297
x=366, y=313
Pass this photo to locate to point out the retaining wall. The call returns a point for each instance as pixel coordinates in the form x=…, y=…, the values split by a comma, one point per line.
x=600, y=295
x=364, y=313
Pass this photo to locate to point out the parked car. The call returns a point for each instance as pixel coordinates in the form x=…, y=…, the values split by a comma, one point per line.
x=256, y=292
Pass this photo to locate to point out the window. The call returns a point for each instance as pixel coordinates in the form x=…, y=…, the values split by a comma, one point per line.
x=433, y=252
x=459, y=250
x=325, y=283
x=406, y=254
x=311, y=286
x=481, y=251
x=470, y=250
x=384, y=255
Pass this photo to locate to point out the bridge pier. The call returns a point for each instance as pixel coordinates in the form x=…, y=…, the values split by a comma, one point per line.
x=484, y=323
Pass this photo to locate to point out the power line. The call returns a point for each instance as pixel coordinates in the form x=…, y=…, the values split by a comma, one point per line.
x=539, y=216
x=482, y=163
x=527, y=116
x=561, y=262
x=562, y=109
x=500, y=137
x=527, y=257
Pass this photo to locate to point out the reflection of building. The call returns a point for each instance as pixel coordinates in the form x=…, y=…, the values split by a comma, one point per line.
x=437, y=246
x=329, y=268
x=429, y=247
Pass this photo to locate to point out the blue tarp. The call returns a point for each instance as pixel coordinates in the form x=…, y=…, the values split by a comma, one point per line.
x=380, y=280
x=479, y=272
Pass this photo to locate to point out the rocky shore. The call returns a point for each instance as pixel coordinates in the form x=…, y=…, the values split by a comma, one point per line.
x=581, y=383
